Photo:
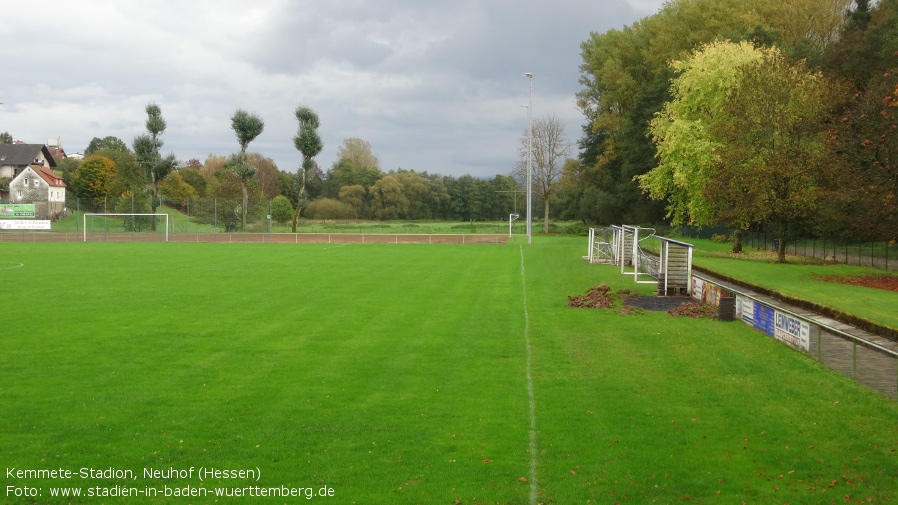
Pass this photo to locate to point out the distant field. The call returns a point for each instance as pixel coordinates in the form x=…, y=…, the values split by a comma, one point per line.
x=400, y=374
x=182, y=223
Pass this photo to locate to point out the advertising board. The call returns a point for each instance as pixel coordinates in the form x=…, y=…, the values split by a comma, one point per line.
x=25, y=224
x=17, y=211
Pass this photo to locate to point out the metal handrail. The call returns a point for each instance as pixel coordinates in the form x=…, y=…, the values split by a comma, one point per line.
x=828, y=328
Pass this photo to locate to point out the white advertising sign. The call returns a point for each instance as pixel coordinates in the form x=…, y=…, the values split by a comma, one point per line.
x=31, y=224
x=792, y=331
x=698, y=288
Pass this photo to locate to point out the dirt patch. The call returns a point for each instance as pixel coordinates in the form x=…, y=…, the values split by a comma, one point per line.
x=694, y=310
x=886, y=282
x=656, y=303
x=600, y=297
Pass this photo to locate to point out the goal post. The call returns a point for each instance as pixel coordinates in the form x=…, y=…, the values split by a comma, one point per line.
x=643, y=263
x=134, y=215
x=511, y=219
x=602, y=246
x=628, y=247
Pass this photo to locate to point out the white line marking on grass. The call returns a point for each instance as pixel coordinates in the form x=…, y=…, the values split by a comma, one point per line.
x=10, y=265
x=534, y=484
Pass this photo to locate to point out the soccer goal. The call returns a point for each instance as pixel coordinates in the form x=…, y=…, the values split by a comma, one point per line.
x=602, y=246
x=118, y=227
x=649, y=258
x=642, y=264
x=511, y=219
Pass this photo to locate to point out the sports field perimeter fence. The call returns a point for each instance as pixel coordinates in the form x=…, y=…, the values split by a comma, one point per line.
x=225, y=217
x=876, y=254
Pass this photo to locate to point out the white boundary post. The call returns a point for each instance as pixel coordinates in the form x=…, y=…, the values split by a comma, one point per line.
x=590, y=255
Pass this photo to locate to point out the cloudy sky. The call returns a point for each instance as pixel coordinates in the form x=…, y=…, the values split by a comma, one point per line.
x=432, y=85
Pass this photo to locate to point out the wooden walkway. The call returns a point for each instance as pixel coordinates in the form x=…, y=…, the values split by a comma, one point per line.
x=870, y=359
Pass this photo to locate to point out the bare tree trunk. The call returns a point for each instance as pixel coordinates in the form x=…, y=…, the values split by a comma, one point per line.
x=781, y=247
x=245, y=201
x=737, y=241
x=300, y=198
x=546, y=216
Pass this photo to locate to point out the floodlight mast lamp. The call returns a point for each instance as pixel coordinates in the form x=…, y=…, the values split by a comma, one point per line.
x=529, y=75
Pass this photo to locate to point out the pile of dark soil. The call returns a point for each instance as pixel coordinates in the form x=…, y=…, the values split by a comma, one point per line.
x=598, y=297
x=695, y=310
x=601, y=297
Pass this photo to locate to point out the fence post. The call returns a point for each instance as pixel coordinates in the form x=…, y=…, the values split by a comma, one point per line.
x=820, y=344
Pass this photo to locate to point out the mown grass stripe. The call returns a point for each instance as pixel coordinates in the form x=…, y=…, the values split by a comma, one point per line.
x=534, y=482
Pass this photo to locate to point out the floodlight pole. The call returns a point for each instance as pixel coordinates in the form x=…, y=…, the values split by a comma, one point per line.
x=529, y=106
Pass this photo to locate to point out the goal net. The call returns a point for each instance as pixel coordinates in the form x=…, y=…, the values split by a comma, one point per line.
x=125, y=227
x=603, y=246
x=644, y=266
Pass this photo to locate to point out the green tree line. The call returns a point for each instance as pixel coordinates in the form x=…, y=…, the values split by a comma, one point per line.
x=355, y=187
x=756, y=114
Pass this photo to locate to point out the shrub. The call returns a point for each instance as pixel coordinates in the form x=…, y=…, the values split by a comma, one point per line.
x=128, y=204
x=281, y=209
x=328, y=208
x=576, y=229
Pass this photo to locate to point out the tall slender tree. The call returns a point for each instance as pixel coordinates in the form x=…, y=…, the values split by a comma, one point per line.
x=247, y=127
x=155, y=167
x=308, y=142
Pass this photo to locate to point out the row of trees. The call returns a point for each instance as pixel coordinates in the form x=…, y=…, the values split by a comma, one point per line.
x=748, y=114
x=355, y=187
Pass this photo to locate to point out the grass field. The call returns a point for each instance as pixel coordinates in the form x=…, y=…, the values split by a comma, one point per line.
x=401, y=374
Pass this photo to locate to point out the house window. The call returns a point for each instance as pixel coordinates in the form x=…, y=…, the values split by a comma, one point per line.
x=20, y=194
x=26, y=181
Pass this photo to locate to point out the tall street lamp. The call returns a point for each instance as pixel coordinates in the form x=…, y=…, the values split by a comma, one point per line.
x=529, y=106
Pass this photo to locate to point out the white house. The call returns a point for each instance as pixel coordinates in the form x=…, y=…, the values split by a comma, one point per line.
x=41, y=186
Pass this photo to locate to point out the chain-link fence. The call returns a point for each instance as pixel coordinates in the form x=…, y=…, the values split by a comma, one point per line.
x=876, y=254
x=223, y=215
x=195, y=215
x=838, y=250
